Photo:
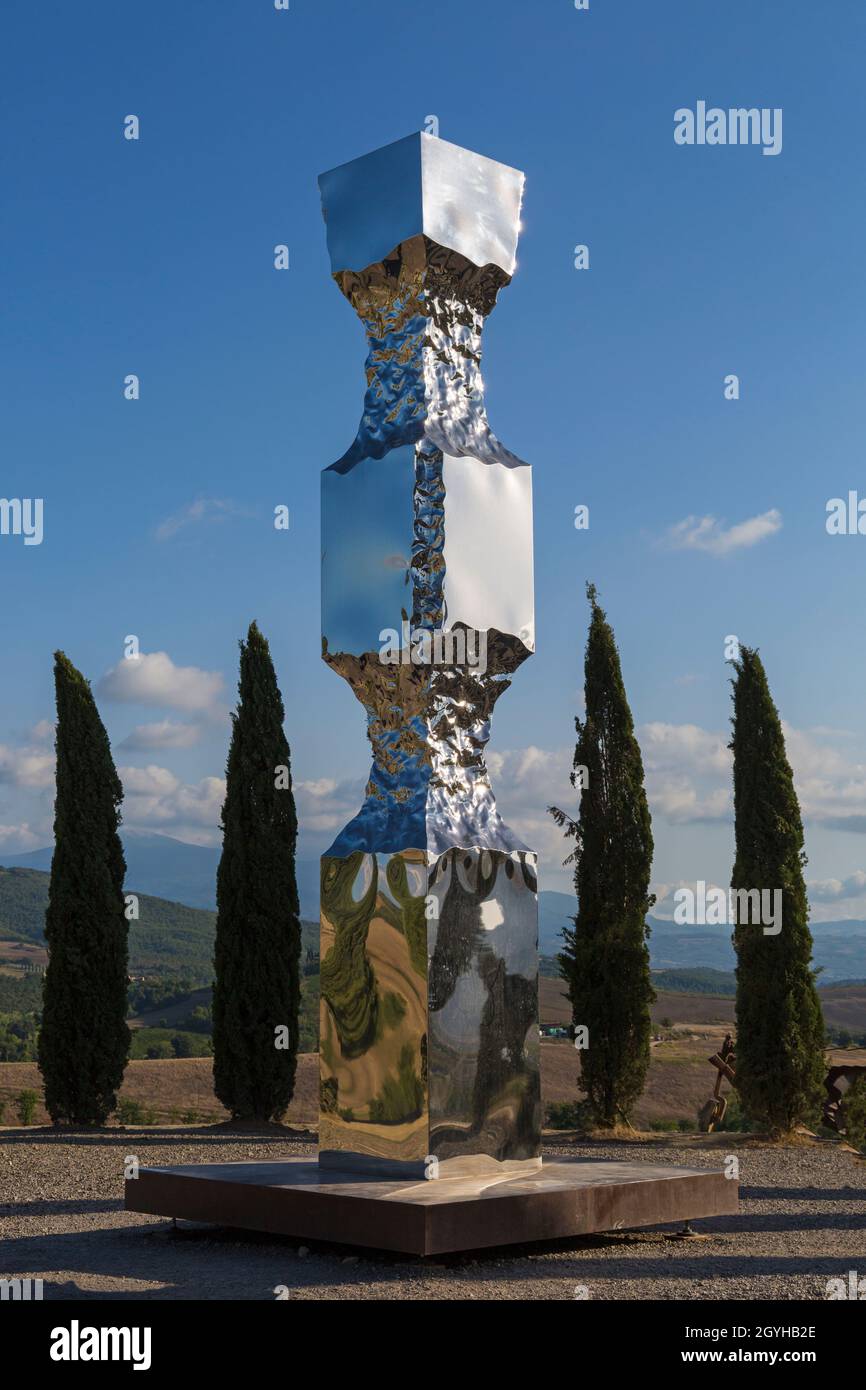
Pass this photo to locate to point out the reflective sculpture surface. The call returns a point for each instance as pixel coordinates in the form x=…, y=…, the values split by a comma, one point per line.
x=429, y=1016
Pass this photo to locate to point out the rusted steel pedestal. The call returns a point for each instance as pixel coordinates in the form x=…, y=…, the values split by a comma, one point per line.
x=571, y=1197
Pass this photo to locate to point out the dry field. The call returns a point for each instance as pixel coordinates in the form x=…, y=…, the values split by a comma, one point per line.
x=843, y=1006
x=680, y=1080
x=16, y=953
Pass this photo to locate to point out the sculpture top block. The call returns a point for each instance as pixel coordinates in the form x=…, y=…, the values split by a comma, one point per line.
x=427, y=606
x=422, y=186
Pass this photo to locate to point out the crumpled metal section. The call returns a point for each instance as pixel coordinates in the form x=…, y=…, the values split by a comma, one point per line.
x=423, y=309
x=428, y=723
x=429, y=787
x=427, y=611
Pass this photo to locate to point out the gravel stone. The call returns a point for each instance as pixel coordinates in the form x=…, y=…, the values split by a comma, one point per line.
x=802, y=1221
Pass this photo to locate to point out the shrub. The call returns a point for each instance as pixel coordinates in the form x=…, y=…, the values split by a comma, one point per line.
x=854, y=1112
x=130, y=1112
x=735, y=1118
x=27, y=1102
x=568, y=1114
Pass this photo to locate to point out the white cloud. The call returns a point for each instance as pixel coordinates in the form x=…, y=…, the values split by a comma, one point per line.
x=324, y=806
x=154, y=798
x=201, y=803
x=831, y=785
x=689, y=781
x=683, y=746
x=688, y=772
x=26, y=766
x=203, y=509
x=689, y=776
x=146, y=738
x=525, y=782
x=19, y=839
x=711, y=535
x=665, y=904
x=682, y=804
x=832, y=889
x=323, y=786
x=153, y=679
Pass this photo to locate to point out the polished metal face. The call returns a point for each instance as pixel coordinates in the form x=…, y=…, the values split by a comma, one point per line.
x=427, y=611
x=429, y=1009
x=422, y=185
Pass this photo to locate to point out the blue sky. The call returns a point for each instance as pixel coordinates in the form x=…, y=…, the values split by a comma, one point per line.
x=155, y=257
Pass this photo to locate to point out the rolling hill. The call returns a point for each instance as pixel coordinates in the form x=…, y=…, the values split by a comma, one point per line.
x=176, y=871
x=168, y=870
x=168, y=939
x=840, y=947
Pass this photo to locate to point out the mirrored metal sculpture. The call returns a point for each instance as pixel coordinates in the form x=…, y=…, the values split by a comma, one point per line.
x=429, y=1015
x=429, y=1022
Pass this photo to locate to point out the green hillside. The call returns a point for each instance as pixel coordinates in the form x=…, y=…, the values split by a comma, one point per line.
x=168, y=939
x=20, y=994
x=702, y=980
x=23, y=897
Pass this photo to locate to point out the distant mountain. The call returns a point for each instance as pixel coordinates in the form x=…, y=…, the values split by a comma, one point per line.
x=840, y=947
x=172, y=869
x=169, y=938
x=699, y=981
x=554, y=911
x=185, y=875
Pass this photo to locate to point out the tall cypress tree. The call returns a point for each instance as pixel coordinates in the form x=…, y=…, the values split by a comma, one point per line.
x=84, y=1041
x=258, y=934
x=605, y=961
x=780, y=1028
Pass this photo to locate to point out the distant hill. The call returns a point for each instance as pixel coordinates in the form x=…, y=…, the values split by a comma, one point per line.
x=168, y=939
x=840, y=947
x=554, y=911
x=184, y=875
x=172, y=869
x=155, y=864
x=700, y=981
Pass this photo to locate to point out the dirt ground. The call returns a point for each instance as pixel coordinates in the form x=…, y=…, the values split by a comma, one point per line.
x=802, y=1221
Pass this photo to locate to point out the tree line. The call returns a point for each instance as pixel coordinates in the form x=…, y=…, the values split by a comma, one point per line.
x=84, y=1041
x=605, y=960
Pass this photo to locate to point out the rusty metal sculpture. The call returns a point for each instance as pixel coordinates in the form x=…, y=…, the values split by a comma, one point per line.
x=713, y=1113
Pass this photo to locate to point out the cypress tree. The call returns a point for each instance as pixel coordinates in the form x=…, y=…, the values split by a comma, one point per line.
x=780, y=1028
x=258, y=933
x=605, y=962
x=84, y=1041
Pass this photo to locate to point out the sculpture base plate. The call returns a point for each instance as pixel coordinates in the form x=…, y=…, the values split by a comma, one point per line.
x=565, y=1197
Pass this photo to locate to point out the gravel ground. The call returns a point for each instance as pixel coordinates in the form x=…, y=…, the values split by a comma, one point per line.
x=802, y=1221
